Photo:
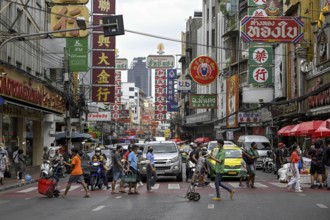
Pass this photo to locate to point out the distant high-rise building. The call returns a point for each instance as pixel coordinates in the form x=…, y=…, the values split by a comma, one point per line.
x=140, y=74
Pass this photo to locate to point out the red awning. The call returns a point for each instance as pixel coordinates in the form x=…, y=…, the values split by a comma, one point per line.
x=285, y=130
x=322, y=131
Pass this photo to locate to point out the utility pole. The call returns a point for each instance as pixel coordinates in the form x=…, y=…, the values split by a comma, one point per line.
x=67, y=88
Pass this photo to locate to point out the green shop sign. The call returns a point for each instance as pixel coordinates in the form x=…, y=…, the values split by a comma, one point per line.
x=203, y=101
x=260, y=55
x=78, y=54
x=260, y=75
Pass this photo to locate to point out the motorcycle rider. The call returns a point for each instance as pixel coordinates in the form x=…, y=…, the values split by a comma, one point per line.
x=98, y=157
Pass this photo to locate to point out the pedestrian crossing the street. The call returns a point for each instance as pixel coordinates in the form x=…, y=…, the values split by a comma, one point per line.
x=164, y=186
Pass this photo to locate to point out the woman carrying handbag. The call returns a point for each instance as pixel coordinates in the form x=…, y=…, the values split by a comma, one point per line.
x=151, y=170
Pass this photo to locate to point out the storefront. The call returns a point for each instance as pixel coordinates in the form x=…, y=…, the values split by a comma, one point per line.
x=24, y=113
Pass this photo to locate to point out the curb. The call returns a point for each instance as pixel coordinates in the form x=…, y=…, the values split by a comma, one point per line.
x=16, y=185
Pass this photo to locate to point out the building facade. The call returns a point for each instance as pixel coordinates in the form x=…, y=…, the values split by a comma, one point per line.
x=30, y=100
x=139, y=74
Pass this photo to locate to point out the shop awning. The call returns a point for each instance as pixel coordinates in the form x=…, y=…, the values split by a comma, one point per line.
x=27, y=106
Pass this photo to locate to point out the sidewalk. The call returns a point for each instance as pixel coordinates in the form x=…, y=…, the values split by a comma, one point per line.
x=13, y=182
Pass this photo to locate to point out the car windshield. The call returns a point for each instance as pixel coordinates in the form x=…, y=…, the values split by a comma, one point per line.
x=164, y=148
x=233, y=153
x=260, y=145
x=212, y=145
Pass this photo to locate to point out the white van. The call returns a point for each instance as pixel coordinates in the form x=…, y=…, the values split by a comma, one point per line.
x=263, y=145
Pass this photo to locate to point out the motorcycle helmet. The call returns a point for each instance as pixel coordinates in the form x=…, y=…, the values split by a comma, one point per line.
x=192, y=145
x=97, y=151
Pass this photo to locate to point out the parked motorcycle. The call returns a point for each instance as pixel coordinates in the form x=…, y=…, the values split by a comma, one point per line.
x=268, y=164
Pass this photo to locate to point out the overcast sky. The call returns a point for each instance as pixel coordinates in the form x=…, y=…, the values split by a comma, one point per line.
x=158, y=17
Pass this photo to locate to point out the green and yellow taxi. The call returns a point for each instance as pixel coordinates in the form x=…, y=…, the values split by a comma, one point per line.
x=233, y=157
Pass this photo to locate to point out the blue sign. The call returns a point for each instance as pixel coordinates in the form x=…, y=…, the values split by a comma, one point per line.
x=172, y=107
x=1, y=100
x=171, y=76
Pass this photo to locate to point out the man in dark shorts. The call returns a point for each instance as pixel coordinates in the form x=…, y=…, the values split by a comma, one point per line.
x=118, y=170
x=316, y=156
x=76, y=175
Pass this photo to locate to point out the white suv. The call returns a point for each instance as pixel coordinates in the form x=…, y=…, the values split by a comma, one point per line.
x=168, y=160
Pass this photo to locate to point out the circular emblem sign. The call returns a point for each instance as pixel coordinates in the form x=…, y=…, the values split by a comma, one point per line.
x=203, y=70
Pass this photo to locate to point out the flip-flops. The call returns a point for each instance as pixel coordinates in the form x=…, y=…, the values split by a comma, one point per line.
x=87, y=196
x=114, y=192
x=122, y=191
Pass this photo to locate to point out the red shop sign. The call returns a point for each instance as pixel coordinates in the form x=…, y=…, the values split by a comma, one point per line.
x=272, y=29
x=203, y=70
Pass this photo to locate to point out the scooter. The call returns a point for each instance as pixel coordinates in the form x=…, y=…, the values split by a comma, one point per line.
x=46, y=169
x=95, y=179
x=268, y=165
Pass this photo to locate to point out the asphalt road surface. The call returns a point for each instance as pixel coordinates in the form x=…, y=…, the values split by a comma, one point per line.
x=270, y=200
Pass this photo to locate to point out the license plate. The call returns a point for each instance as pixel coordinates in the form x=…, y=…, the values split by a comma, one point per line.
x=160, y=172
x=231, y=173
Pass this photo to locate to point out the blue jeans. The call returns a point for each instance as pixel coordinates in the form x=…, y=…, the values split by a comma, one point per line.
x=217, y=183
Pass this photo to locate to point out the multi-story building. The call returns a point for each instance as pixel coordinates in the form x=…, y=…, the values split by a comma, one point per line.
x=139, y=74
x=30, y=94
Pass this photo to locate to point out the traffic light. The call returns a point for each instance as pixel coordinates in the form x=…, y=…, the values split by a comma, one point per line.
x=113, y=25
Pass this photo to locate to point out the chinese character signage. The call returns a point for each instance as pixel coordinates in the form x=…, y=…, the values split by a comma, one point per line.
x=100, y=116
x=103, y=93
x=160, y=61
x=171, y=76
x=272, y=29
x=103, y=58
x=63, y=17
x=203, y=70
x=104, y=6
x=105, y=83
x=160, y=94
x=249, y=117
x=259, y=75
x=232, y=100
x=203, y=101
x=260, y=55
x=78, y=54
x=102, y=42
x=103, y=76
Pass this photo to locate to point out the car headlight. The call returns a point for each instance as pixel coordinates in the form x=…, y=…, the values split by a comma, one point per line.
x=174, y=159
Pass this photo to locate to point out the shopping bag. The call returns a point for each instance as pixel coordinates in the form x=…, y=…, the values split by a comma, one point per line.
x=152, y=181
x=129, y=177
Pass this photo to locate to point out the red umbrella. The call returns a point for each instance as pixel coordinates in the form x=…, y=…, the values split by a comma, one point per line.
x=285, y=130
x=305, y=128
x=176, y=140
x=202, y=140
x=322, y=131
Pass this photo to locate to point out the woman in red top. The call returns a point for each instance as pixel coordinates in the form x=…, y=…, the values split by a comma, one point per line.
x=295, y=158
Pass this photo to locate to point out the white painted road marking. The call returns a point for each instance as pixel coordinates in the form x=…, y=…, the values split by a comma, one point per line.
x=118, y=197
x=174, y=186
x=212, y=185
x=322, y=206
x=28, y=190
x=210, y=206
x=156, y=186
x=211, y=195
x=98, y=208
x=260, y=185
x=72, y=188
x=282, y=185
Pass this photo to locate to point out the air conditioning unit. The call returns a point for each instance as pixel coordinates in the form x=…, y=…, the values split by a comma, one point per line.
x=245, y=55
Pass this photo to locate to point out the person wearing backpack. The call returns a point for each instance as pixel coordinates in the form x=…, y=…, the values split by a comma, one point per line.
x=316, y=156
x=250, y=156
x=326, y=161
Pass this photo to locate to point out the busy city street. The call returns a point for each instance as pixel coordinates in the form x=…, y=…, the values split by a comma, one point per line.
x=270, y=200
x=165, y=109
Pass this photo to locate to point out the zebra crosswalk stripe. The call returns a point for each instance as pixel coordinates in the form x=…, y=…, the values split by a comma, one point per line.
x=173, y=186
x=71, y=189
x=30, y=189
